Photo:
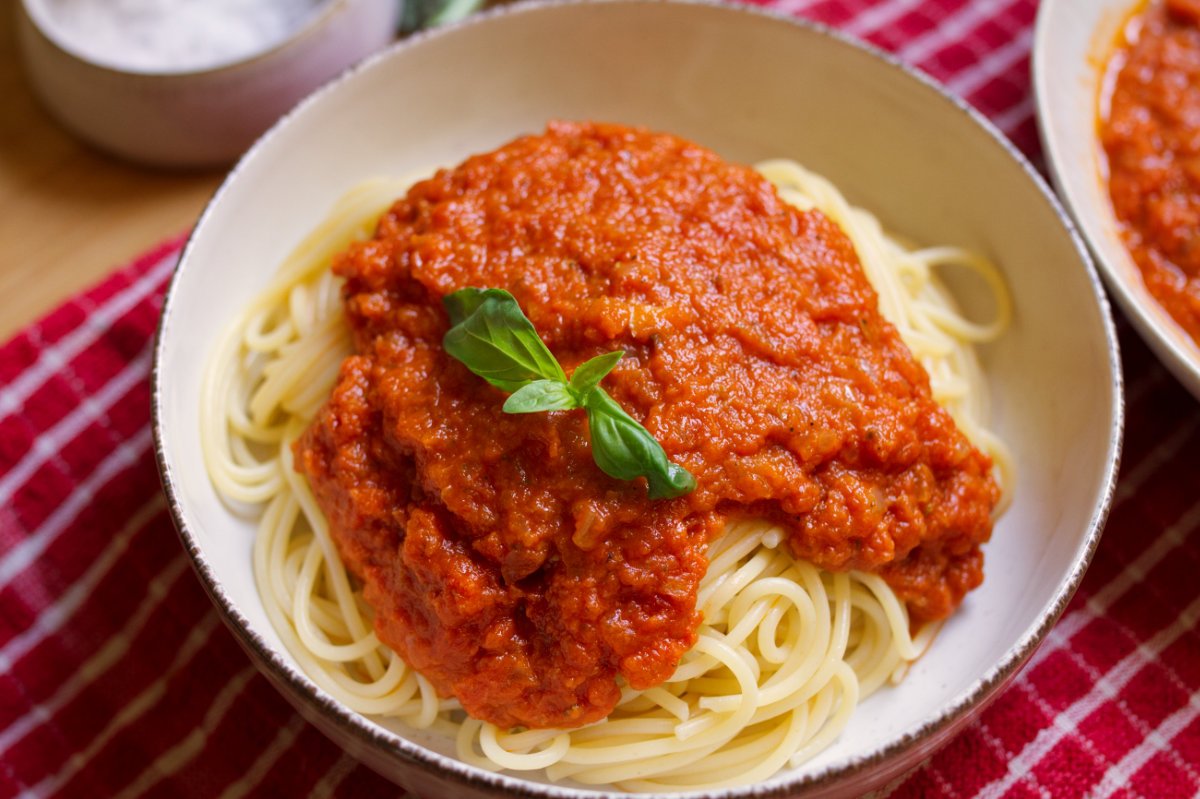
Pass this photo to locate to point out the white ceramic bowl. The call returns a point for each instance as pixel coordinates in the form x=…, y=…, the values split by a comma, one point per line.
x=750, y=85
x=1071, y=46
x=199, y=117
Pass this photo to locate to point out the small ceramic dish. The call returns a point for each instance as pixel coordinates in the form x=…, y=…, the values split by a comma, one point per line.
x=1071, y=48
x=195, y=117
x=750, y=85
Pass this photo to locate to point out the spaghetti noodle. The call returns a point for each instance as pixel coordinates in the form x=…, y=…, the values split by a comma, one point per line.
x=785, y=651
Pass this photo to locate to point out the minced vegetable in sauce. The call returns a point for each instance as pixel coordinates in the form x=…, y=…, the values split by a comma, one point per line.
x=1151, y=135
x=501, y=562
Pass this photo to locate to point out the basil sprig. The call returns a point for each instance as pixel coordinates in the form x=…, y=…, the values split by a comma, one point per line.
x=495, y=340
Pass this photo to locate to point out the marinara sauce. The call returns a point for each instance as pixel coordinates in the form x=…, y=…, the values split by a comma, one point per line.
x=1151, y=135
x=501, y=562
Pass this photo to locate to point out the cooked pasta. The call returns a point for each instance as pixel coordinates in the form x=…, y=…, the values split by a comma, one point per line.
x=785, y=652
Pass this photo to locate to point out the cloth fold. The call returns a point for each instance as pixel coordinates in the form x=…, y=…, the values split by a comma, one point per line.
x=118, y=679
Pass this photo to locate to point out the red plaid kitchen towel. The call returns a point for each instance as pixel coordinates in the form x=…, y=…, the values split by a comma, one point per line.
x=117, y=679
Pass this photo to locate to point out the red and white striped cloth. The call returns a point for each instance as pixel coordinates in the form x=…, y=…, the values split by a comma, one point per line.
x=117, y=679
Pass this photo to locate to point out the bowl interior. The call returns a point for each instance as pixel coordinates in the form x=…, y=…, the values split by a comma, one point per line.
x=749, y=86
x=1071, y=48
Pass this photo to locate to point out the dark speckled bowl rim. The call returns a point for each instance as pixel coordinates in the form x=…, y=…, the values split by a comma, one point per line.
x=404, y=753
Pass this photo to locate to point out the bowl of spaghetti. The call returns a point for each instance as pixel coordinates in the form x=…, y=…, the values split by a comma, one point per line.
x=671, y=412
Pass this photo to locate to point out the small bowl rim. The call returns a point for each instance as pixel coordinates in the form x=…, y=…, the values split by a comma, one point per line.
x=311, y=26
x=950, y=718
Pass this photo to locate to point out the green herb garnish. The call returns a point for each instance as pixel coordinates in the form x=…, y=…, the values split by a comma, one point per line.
x=495, y=340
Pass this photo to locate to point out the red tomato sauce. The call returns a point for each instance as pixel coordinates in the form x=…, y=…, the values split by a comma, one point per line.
x=1151, y=136
x=501, y=562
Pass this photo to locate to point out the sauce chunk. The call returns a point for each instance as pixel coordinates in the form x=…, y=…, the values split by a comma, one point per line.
x=501, y=562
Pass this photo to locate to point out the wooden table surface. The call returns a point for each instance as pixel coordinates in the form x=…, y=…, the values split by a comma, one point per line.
x=69, y=214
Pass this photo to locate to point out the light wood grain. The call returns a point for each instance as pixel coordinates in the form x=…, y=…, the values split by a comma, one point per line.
x=69, y=214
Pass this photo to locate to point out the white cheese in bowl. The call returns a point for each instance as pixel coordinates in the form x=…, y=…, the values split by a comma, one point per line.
x=172, y=35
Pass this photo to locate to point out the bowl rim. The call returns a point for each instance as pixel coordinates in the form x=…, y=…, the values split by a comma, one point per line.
x=932, y=732
x=1171, y=344
x=316, y=20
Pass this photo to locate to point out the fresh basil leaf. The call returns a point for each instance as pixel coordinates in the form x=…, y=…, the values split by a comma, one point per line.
x=464, y=302
x=588, y=374
x=541, y=395
x=494, y=339
x=624, y=449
